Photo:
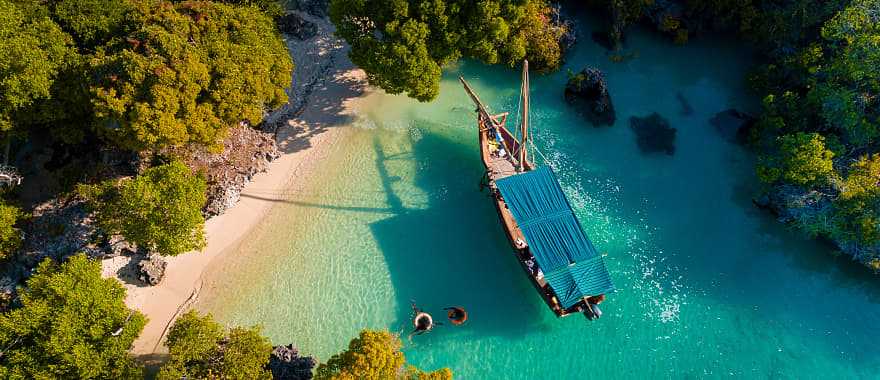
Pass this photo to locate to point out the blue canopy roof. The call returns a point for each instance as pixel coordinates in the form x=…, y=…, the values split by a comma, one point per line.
x=571, y=264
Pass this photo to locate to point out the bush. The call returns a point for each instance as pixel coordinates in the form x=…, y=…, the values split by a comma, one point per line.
x=159, y=210
x=803, y=160
x=10, y=237
x=374, y=355
x=200, y=348
x=72, y=324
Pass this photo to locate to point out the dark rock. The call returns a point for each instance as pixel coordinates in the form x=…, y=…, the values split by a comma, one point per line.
x=317, y=8
x=686, y=108
x=286, y=364
x=59, y=228
x=762, y=201
x=588, y=93
x=295, y=25
x=569, y=35
x=653, y=134
x=7, y=293
x=246, y=152
x=117, y=246
x=603, y=39
x=152, y=269
x=733, y=125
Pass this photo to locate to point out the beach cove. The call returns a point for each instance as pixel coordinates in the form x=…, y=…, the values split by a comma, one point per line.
x=708, y=285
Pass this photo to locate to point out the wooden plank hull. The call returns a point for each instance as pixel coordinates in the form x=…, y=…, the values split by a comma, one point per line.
x=495, y=170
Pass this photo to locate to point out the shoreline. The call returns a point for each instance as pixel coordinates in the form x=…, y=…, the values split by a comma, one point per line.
x=325, y=85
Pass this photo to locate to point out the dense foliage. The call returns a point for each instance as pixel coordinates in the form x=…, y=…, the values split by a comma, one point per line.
x=201, y=349
x=374, y=355
x=159, y=210
x=824, y=91
x=802, y=159
x=34, y=50
x=187, y=73
x=403, y=44
x=72, y=324
x=10, y=236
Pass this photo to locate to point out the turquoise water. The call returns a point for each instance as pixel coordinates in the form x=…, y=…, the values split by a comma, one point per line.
x=708, y=286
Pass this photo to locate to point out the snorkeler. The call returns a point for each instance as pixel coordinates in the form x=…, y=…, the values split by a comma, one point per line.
x=422, y=321
x=457, y=315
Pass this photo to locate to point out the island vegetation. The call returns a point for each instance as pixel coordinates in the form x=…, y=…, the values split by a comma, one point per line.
x=122, y=94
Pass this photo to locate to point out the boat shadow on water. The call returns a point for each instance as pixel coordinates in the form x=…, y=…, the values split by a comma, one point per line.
x=451, y=251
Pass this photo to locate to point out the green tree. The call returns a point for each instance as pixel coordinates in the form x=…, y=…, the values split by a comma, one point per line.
x=403, y=44
x=187, y=73
x=72, y=324
x=803, y=160
x=858, y=206
x=10, y=237
x=272, y=8
x=159, y=210
x=93, y=23
x=200, y=349
x=374, y=355
x=34, y=50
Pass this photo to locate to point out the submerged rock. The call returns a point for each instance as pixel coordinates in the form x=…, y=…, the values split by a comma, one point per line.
x=297, y=26
x=686, y=108
x=152, y=269
x=286, y=364
x=733, y=125
x=653, y=134
x=588, y=93
x=603, y=39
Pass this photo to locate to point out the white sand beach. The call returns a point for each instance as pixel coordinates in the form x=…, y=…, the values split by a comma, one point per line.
x=325, y=85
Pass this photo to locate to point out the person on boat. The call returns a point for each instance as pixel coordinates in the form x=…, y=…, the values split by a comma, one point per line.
x=457, y=315
x=592, y=311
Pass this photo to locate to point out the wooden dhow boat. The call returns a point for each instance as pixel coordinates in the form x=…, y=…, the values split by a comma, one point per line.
x=548, y=241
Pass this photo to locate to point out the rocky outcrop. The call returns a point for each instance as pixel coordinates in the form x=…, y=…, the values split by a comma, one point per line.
x=246, y=152
x=588, y=93
x=7, y=293
x=59, y=228
x=295, y=25
x=317, y=8
x=733, y=125
x=286, y=364
x=653, y=134
x=151, y=270
x=569, y=35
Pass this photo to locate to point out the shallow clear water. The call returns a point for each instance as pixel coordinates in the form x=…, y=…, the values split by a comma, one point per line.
x=708, y=286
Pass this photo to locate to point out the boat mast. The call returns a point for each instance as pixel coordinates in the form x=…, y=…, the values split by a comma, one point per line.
x=484, y=113
x=523, y=147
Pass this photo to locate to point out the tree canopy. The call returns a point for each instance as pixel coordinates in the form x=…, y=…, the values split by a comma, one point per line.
x=188, y=72
x=72, y=324
x=403, y=44
x=200, y=348
x=34, y=50
x=159, y=210
x=374, y=355
x=803, y=160
x=93, y=23
x=10, y=236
